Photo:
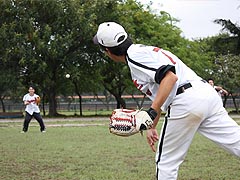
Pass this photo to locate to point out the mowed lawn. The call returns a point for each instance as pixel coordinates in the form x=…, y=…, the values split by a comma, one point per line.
x=91, y=153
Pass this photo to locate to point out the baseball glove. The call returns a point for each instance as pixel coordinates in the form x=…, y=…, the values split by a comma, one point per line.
x=37, y=100
x=126, y=122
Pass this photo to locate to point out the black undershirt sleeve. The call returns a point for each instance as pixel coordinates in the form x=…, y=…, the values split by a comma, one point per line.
x=161, y=72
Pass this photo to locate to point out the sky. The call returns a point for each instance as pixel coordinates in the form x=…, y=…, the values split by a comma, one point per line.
x=197, y=16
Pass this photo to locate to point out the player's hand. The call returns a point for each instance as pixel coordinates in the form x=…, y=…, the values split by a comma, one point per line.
x=26, y=102
x=152, y=138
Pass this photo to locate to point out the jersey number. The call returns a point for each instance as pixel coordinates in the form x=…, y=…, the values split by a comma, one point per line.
x=156, y=49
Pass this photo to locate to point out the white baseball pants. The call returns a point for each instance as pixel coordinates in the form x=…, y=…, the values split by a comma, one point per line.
x=198, y=109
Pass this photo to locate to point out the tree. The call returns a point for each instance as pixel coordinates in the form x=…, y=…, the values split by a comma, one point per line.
x=8, y=83
x=48, y=34
x=227, y=72
x=197, y=55
x=143, y=27
x=115, y=78
x=85, y=62
x=234, y=40
x=84, y=76
x=226, y=63
x=148, y=27
x=10, y=53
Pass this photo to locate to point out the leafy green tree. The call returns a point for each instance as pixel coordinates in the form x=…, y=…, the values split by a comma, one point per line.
x=226, y=62
x=227, y=73
x=84, y=64
x=49, y=34
x=148, y=27
x=44, y=40
x=50, y=38
x=84, y=78
x=8, y=83
x=144, y=27
x=115, y=78
x=232, y=43
x=197, y=55
x=10, y=53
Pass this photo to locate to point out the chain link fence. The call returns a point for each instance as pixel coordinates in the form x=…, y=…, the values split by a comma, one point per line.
x=96, y=104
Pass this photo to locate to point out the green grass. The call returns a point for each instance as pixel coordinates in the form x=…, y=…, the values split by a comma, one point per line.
x=91, y=153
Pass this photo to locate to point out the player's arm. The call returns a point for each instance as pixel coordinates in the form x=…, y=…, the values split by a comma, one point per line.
x=222, y=91
x=165, y=87
x=218, y=88
x=26, y=102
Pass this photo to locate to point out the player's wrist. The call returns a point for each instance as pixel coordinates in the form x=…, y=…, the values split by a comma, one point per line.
x=152, y=113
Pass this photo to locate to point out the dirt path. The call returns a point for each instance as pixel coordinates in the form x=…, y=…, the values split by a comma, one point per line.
x=69, y=119
x=66, y=122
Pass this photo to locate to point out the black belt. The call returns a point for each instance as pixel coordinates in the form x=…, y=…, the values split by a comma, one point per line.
x=182, y=88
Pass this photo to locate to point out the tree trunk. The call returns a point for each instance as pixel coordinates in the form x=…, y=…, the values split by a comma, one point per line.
x=79, y=95
x=225, y=100
x=43, y=104
x=52, y=103
x=118, y=96
x=142, y=101
x=139, y=105
x=235, y=104
x=80, y=104
x=120, y=102
x=3, y=106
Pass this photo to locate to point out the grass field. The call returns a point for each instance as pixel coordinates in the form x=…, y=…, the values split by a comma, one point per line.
x=91, y=153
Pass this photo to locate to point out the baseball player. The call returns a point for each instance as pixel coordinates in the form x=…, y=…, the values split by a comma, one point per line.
x=219, y=89
x=32, y=110
x=192, y=105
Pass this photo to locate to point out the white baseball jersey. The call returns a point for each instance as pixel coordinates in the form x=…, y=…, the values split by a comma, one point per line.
x=148, y=66
x=198, y=109
x=32, y=107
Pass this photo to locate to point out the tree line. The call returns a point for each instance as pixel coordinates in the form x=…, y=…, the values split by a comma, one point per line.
x=42, y=41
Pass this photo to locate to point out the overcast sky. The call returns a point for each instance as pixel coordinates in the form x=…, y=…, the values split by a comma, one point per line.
x=196, y=16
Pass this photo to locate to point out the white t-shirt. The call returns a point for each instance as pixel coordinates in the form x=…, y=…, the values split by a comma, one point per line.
x=156, y=60
x=32, y=107
x=218, y=91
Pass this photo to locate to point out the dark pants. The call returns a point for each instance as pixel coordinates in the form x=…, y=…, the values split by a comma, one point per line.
x=28, y=118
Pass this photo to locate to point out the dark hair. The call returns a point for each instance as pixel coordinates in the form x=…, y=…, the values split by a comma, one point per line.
x=120, y=49
x=32, y=86
x=210, y=79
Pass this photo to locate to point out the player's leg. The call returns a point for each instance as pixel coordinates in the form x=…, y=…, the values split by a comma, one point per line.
x=38, y=117
x=26, y=122
x=187, y=112
x=175, y=139
x=223, y=130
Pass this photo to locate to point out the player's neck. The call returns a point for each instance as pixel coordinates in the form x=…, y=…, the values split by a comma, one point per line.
x=121, y=59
